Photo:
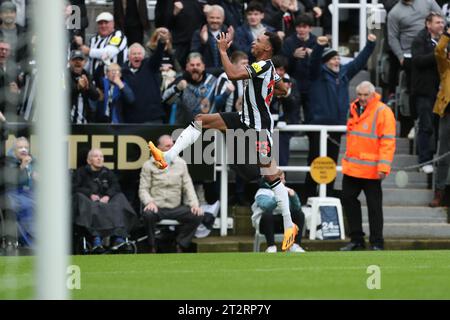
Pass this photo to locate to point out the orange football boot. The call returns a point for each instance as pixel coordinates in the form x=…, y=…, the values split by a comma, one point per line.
x=157, y=155
x=289, y=237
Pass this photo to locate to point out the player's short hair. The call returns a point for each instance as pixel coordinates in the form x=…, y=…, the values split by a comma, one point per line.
x=238, y=55
x=275, y=41
x=280, y=61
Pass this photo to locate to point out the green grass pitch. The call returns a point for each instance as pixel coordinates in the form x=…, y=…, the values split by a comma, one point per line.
x=313, y=275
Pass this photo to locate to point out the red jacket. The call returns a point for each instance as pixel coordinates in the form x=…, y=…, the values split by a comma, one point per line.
x=370, y=140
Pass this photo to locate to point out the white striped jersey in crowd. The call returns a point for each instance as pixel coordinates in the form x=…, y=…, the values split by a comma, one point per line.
x=115, y=51
x=234, y=97
x=27, y=107
x=258, y=93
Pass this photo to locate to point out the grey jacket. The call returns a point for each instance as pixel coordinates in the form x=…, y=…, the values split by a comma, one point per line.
x=405, y=21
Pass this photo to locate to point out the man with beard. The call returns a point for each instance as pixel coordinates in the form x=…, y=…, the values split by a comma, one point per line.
x=144, y=78
x=254, y=122
x=193, y=92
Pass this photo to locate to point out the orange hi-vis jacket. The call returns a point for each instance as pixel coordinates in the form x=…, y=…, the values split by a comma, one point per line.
x=370, y=140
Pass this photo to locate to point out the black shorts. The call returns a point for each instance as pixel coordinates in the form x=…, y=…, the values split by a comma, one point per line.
x=258, y=144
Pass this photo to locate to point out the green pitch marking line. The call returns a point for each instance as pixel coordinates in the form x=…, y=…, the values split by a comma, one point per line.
x=312, y=275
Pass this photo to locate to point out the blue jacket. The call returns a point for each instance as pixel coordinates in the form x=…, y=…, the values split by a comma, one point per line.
x=243, y=38
x=120, y=97
x=145, y=84
x=328, y=96
x=298, y=68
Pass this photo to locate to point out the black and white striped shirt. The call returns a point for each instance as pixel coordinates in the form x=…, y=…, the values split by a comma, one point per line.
x=105, y=50
x=232, y=99
x=258, y=92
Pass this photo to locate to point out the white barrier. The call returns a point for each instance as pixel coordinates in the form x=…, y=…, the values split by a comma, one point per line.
x=223, y=168
x=363, y=6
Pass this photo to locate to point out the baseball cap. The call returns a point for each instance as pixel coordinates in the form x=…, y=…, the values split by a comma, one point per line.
x=8, y=6
x=104, y=16
x=76, y=54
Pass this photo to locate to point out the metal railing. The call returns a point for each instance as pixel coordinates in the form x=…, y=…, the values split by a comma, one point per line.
x=223, y=167
x=363, y=6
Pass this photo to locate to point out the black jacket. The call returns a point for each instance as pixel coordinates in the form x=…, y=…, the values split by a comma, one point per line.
x=145, y=84
x=183, y=24
x=298, y=68
x=91, y=93
x=424, y=74
x=101, y=183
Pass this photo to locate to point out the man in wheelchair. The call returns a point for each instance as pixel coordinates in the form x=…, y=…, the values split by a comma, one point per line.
x=99, y=206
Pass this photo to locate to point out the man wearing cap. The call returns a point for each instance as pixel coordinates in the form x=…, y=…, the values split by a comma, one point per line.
x=329, y=97
x=108, y=46
x=14, y=34
x=81, y=90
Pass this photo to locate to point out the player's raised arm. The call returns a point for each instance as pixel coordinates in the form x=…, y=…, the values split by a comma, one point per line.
x=234, y=72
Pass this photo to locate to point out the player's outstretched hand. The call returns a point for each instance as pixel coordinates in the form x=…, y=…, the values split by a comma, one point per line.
x=223, y=42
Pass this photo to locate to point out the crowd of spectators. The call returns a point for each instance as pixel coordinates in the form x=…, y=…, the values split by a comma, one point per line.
x=130, y=72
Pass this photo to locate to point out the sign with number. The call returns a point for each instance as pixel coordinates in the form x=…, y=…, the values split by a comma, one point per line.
x=323, y=170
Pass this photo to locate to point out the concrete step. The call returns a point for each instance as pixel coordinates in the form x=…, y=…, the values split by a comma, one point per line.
x=411, y=215
x=414, y=230
x=403, y=197
x=416, y=180
x=245, y=244
x=400, y=160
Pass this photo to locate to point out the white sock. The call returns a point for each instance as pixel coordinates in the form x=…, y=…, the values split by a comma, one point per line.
x=283, y=197
x=186, y=138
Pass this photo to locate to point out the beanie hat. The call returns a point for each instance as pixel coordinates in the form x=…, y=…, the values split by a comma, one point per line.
x=328, y=53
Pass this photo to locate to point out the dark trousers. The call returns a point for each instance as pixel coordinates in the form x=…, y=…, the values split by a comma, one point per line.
x=134, y=34
x=314, y=152
x=351, y=188
x=273, y=223
x=407, y=122
x=284, y=142
x=185, y=231
x=304, y=102
x=394, y=69
x=182, y=51
x=428, y=123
